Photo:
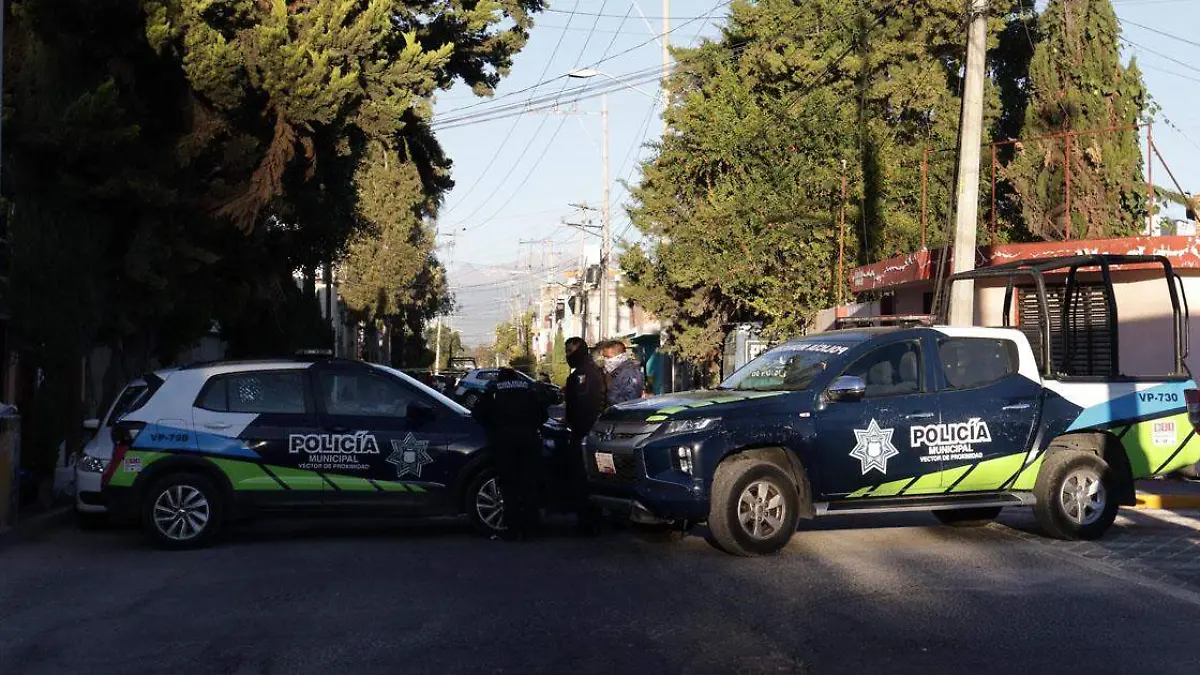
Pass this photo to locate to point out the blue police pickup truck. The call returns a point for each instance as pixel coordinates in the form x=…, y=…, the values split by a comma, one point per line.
x=959, y=421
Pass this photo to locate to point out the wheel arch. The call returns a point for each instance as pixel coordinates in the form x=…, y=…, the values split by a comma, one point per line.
x=784, y=459
x=184, y=464
x=480, y=461
x=1109, y=448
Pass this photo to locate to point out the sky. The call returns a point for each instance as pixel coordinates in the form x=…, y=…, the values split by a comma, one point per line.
x=516, y=177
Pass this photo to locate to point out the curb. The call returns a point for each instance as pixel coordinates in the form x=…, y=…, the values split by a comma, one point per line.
x=24, y=530
x=1148, y=500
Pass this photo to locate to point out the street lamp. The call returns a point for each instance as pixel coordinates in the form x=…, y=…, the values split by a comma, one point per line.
x=588, y=73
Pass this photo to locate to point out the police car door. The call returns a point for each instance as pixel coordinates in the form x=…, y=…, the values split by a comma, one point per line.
x=249, y=423
x=381, y=454
x=866, y=443
x=988, y=412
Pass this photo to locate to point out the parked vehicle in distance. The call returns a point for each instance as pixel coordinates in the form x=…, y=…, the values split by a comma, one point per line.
x=475, y=382
x=959, y=421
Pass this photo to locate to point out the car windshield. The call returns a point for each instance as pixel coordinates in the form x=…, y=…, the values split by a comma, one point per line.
x=790, y=367
x=427, y=389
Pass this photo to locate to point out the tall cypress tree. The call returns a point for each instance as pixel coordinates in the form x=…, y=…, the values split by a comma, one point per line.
x=1077, y=83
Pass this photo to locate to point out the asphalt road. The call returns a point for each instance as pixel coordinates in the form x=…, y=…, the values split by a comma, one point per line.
x=867, y=595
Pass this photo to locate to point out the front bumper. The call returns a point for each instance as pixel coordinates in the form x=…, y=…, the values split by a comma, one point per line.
x=88, y=497
x=643, y=483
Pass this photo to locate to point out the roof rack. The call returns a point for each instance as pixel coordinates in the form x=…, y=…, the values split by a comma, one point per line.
x=1035, y=270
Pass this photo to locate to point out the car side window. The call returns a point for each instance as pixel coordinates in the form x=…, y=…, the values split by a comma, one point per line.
x=259, y=392
x=890, y=371
x=364, y=394
x=976, y=362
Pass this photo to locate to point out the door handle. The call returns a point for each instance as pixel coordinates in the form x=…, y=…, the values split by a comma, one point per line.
x=1016, y=406
x=217, y=425
x=919, y=416
x=339, y=429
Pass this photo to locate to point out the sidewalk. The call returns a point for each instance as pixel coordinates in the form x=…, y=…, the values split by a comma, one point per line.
x=1168, y=493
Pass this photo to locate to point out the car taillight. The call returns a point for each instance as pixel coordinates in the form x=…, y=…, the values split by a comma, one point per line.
x=1192, y=398
x=122, y=436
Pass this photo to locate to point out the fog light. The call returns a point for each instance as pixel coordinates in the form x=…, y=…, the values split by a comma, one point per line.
x=683, y=458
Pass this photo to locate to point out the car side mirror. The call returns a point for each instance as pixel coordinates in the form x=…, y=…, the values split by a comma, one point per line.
x=419, y=413
x=846, y=389
x=91, y=424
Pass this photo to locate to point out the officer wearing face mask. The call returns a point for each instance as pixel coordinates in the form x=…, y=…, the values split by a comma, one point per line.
x=585, y=398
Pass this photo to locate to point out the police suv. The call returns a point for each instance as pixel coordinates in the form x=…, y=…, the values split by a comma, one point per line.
x=958, y=421
x=217, y=441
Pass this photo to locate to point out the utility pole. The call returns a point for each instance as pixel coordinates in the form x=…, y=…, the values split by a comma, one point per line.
x=666, y=58
x=437, y=349
x=606, y=224
x=970, y=136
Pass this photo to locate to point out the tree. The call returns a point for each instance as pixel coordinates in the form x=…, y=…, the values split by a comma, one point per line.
x=741, y=206
x=180, y=160
x=1077, y=83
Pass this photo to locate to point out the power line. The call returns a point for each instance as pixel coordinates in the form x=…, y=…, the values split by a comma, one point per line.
x=547, y=102
x=512, y=195
x=618, y=16
x=653, y=39
x=504, y=143
x=645, y=131
x=1159, y=32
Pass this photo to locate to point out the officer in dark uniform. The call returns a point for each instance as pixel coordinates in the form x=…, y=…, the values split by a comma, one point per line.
x=513, y=409
x=585, y=398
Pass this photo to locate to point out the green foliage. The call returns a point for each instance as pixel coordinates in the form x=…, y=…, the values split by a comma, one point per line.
x=173, y=163
x=1078, y=83
x=741, y=208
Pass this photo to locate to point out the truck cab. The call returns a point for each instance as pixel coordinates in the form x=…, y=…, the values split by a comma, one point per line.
x=960, y=421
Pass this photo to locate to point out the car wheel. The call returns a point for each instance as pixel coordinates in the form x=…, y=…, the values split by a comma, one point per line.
x=470, y=400
x=754, y=508
x=91, y=520
x=485, y=504
x=975, y=517
x=182, y=511
x=1075, y=495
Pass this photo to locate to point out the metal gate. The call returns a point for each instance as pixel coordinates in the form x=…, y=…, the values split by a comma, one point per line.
x=1089, y=336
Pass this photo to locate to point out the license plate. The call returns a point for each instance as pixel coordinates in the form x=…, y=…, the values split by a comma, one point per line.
x=605, y=463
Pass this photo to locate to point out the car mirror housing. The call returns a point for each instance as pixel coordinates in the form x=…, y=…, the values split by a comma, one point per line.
x=91, y=424
x=846, y=389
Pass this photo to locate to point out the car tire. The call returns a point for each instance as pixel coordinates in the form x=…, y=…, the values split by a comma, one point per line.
x=754, y=508
x=484, y=504
x=91, y=520
x=1076, y=498
x=470, y=400
x=973, y=517
x=198, y=506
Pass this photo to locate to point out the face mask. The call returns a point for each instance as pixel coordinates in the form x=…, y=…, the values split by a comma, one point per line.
x=613, y=362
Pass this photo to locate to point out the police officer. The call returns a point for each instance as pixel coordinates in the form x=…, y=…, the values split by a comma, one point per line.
x=585, y=398
x=513, y=410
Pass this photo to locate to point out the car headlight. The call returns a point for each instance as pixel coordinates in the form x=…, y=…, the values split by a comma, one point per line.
x=89, y=464
x=689, y=425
